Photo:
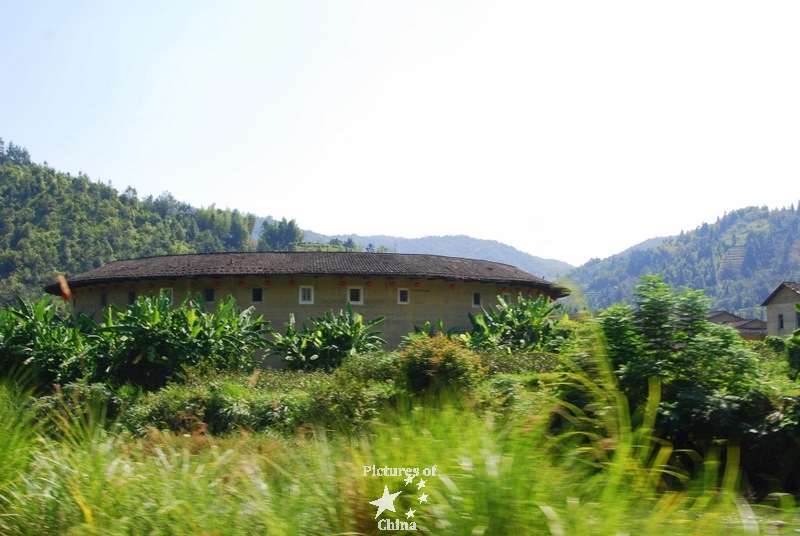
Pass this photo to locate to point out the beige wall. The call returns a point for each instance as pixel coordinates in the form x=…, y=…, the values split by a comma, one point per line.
x=782, y=304
x=429, y=300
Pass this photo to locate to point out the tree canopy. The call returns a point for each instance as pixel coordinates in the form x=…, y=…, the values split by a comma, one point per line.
x=53, y=222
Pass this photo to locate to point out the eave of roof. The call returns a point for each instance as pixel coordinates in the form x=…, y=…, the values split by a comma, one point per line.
x=786, y=284
x=265, y=264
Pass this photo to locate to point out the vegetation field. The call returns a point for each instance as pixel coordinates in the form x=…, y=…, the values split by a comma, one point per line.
x=645, y=419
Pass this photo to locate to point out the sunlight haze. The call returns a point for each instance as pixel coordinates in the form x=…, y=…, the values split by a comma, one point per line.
x=567, y=130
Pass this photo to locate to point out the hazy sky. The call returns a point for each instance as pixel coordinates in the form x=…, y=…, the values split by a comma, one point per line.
x=569, y=130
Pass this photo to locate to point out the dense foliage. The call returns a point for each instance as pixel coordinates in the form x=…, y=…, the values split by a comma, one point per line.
x=279, y=236
x=52, y=222
x=325, y=341
x=432, y=363
x=147, y=344
x=530, y=324
x=737, y=261
x=708, y=375
x=151, y=342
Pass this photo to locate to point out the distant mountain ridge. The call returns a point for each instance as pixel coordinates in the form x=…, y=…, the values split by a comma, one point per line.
x=458, y=246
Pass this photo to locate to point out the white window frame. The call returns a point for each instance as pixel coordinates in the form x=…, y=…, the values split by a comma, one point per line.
x=360, y=290
x=408, y=296
x=480, y=300
x=310, y=288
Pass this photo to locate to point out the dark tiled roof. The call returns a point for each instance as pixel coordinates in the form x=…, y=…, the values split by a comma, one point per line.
x=264, y=264
x=788, y=284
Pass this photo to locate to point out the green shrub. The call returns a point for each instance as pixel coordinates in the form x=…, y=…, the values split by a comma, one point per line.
x=527, y=325
x=43, y=345
x=327, y=341
x=177, y=408
x=708, y=374
x=367, y=368
x=150, y=342
x=429, y=363
x=503, y=362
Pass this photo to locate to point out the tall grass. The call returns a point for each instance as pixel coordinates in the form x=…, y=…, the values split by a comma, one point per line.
x=602, y=473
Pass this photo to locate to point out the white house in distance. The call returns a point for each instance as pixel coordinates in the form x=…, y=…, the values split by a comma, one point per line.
x=407, y=289
x=782, y=315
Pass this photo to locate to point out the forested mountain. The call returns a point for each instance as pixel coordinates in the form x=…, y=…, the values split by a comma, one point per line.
x=52, y=222
x=738, y=261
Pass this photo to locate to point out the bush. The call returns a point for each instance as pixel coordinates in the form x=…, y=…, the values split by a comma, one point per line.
x=502, y=362
x=528, y=325
x=429, y=363
x=150, y=342
x=42, y=345
x=329, y=339
x=708, y=374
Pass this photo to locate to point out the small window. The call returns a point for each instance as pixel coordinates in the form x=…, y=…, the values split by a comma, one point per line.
x=780, y=321
x=131, y=297
x=208, y=295
x=402, y=296
x=103, y=299
x=476, y=299
x=257, y=295
x=797, y=320
x=355, y=295
x=507, y=299
x=307, y=295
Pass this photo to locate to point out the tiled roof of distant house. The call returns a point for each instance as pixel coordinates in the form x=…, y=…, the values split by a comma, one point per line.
x=311, y=264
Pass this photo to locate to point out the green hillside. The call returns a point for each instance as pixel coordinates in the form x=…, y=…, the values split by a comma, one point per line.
x=737, y=261
x=52, y=222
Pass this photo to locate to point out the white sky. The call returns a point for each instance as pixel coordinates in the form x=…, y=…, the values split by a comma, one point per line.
x=569, y=130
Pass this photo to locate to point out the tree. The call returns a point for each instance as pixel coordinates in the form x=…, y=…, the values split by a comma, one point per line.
x=280, y=236
x=708, y=375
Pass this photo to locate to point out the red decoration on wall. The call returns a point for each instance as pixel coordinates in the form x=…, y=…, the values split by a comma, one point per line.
x=292, y=282
x=505, y=289
x=416, y=284
x=89, y=289
x=392, y=284
x=102, y=288
x=240, y=283
x=517, y=289
x=171, y=284
x=192, y=284
x=342, y=283
x=131, y=285
x=267, y=283
x=216, y=283
x=115, y=287
x=369, y=283
x=151, y=285
x=452, y=286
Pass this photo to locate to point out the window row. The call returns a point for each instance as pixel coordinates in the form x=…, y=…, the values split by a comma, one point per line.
x=355, y=296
